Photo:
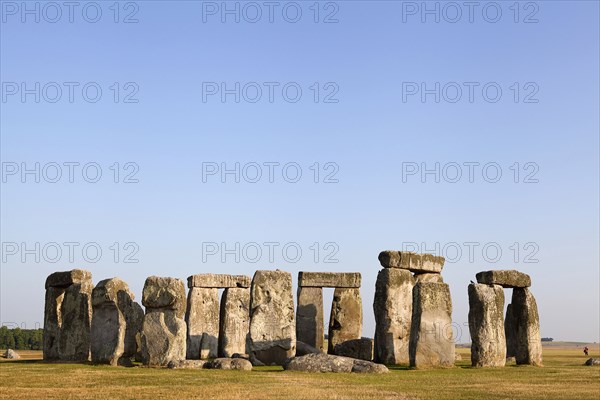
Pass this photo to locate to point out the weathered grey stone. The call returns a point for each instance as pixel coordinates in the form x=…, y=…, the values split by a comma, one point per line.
x=187, y=364
x=303, y=349
x=486, y=325
x=592, y=361
x=411, y=261
x=429, y=277
x=358, y=348
x=10, y=354
x=116, y=321
x=527, y=322
x=393, y=314
x=431, y=341
x=510, y=332
x=505, y=278
x=167, y=293
x=202, y=318
x=322, y=362
x=329, y=279
x=309, y=317
x=67, y=278
x=238, y=364
x=67, y=316
x=163, y=338
x=235, y=322
x=272, y=321
x=345, y=321
x=218, y=281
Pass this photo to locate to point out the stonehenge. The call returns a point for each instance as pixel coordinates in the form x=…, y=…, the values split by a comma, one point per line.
x=255, y=319
x=495, y=338
x=345, y=322
x=272, y=322
x=164, y=330
x=488, y=342
x=413, y=311
x=431, y=343
x=116, y=323
x=68, y=316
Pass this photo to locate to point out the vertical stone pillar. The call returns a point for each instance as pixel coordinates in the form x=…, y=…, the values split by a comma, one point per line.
x=528, y=349
x=68, y=315
x=393, y=314
x=309, y=316
x=431, y=341
x=486, y=325
x=164, y=330
x=235, y=321
x=272, y=321
x=202, y=319
x=510, y=331
x=345, y=322
x=116, y=321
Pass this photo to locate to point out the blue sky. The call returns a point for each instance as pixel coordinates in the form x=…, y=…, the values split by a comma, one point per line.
x=363, y=129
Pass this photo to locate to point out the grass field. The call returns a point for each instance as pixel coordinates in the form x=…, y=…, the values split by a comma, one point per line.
x=562, y=377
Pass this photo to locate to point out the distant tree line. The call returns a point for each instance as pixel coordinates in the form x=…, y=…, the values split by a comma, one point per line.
x=21, y=339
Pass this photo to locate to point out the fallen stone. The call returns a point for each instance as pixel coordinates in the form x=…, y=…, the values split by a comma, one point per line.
x=202, y=318
x=592, y=361
x=218, y=281
x=411, y=261
x=393, y=314
x=303, y=349
x=235, y=322
x=272, y=317
x=431, y=341
x=528, y=349
x=505, y=278
x=167, y=293
x=329, y=279
x=361, y=349
x=68, y=316
x=486, y=325
x=329, y=363
x=116, y=321
x=10, y=354
x=309, y=317
x=345, y=321
x=187, y=364
x=238, y=364
x=429, y=277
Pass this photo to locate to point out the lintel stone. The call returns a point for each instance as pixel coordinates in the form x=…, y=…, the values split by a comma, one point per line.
x=218, y=281
x=411, y=261
x=329, y=279
x=509, y=278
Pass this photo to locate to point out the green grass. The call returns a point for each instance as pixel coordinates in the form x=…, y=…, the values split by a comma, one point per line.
x=562, y=377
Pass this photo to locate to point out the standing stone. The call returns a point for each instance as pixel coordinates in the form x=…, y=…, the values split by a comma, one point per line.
x=393, y=314
x=116, y=321
x=486, y=325
x=361, y=349
x=431, y=341
x=528, y=349
x=429, y=277
x=164, y=330
x=202, y=319
x=272, y=322
x=345, y=322
x=68, y=316
x=309, y=317
x=235, y=322
x=510, y=331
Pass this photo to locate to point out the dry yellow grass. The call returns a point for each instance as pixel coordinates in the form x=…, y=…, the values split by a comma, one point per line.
x=563, y=377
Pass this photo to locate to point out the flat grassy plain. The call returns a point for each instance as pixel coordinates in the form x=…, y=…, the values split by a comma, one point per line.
x=562, y=377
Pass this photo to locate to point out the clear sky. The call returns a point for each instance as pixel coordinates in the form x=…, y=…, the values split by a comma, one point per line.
x=399, y=116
